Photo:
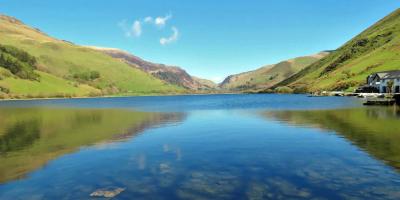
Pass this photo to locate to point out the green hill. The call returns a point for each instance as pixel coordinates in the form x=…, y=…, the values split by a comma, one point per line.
x=64, y=69
x=376, y=49
x=170, y=74
x=269, y=75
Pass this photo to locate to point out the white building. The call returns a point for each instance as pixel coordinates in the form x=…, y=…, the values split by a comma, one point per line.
x=380, y=81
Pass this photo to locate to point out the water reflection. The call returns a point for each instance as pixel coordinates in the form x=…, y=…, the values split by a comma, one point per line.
x=376, y=130
x=19, y=135
x=30, y=137
x=213, y=154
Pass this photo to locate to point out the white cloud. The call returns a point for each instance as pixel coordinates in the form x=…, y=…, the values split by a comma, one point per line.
x=161, y=21
x=135, y=30
x=158, y=21
x=172, y=38
x=148, y=20
x=124, y=27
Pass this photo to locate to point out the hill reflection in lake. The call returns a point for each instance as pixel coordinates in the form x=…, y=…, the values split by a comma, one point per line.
x=30, y=137
x=217, y=147
x=374, y=129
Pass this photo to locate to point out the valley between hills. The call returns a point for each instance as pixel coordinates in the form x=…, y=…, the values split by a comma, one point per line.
x=36, y=65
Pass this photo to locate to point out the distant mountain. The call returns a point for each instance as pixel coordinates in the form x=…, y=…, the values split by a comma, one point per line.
x=205, y=83
x=375, y=49
x=170, y=74
x=63, y=69
x=269, y=75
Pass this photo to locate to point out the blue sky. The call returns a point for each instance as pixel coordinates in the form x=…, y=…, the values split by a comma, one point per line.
x=208, y=38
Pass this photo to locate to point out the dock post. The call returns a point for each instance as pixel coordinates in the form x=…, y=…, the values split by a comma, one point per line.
x=397, y=98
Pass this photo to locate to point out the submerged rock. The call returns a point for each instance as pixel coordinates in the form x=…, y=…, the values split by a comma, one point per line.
x=107, y=192
x=209, y=185
x=164, y=168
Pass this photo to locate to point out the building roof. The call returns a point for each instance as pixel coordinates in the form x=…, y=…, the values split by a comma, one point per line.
x=392, y=74
x=387, y=74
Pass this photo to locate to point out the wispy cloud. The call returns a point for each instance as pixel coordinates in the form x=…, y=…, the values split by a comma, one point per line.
x=158, y=21
x=148, y=19
x=161, y=21
x=137, y=28
x=134, y=30
x=172, y=38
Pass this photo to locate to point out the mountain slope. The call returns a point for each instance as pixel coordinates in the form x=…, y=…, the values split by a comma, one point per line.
x=66, y=69
x=269, y=75
x=375, y=49
x=205, y=84
x=170, y=74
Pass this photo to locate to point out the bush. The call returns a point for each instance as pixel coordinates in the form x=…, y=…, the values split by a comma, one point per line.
x=283, y=90
x=86, y=76
x=18, y=62
x=94, y=75
x=4, y=90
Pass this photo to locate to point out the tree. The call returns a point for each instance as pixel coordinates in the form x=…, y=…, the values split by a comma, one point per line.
x=390, y=84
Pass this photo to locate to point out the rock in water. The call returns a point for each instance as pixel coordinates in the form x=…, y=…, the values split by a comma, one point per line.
x=107, y=192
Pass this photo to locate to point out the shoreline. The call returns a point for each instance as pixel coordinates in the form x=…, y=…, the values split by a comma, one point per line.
x=123, y=96
x=326, y=94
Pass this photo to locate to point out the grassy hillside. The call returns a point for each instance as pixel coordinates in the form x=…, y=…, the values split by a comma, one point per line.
x=205, y=84
x=376, y=49
x=71, y=70
x=170, y=74
x=269, y=75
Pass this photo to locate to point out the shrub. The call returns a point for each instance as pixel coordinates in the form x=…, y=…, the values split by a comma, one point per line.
x=4, y=90
x=86, y=76
x=94, y=75
x=18, y=62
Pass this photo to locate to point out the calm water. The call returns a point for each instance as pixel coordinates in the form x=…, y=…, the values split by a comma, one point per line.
x=200, y=147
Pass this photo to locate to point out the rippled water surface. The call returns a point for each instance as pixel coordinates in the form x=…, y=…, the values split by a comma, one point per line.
x=200, y=147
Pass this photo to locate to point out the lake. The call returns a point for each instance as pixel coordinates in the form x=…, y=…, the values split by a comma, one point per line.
x=264, y=146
